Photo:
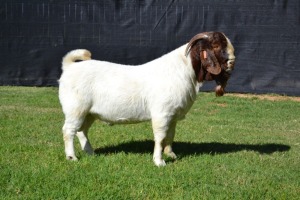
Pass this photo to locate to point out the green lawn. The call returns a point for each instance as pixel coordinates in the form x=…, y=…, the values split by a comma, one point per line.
x=228, y=148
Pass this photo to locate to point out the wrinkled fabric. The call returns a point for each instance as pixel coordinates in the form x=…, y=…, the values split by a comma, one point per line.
x=35, y=35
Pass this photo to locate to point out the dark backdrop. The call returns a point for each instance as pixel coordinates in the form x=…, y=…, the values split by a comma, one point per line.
x=36, y=34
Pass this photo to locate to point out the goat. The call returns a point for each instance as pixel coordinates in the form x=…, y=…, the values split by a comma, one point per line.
x=162, y=90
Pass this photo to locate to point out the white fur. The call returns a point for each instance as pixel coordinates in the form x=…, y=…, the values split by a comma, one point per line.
x=231, y=57
x=162, y=91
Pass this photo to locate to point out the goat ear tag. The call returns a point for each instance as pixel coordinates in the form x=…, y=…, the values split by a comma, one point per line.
x=204, y=54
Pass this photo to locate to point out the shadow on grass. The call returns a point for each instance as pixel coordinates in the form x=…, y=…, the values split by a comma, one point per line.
x=186, y=148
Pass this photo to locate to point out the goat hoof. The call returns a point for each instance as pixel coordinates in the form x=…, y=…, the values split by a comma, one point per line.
x=160, y=163
x=73, y=158
x=89, y=151
x=172, y=155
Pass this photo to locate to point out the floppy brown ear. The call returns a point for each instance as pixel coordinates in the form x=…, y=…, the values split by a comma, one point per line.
x=210, y=62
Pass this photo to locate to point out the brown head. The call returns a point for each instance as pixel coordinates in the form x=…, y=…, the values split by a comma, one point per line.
x=212, y=56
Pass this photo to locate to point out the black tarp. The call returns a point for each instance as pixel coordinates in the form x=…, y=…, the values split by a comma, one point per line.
x=36, y=34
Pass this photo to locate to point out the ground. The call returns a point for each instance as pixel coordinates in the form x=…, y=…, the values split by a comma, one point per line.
x=266, y=97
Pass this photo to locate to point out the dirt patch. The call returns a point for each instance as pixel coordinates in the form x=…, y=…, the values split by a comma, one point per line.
x=266, y=97
x=223, y=105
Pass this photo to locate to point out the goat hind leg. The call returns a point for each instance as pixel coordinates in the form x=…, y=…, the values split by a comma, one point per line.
x=69, y=143
x=70, y=128
x=83, y=135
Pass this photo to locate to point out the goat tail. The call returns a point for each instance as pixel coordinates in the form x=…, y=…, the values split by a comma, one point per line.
x=72, y=56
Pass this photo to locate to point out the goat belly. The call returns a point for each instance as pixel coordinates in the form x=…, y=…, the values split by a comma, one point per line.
x=127, y=108
x=120, y=110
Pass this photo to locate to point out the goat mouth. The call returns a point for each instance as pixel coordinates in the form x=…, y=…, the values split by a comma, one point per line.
x=228, y=71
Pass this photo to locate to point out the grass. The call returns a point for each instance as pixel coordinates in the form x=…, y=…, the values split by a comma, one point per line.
x=228, y=148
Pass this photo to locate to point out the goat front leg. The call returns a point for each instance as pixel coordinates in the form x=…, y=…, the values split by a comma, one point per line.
x=160, y=128
x=169, y=140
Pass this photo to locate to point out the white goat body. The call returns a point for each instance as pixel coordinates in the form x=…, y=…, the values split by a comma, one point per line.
x=162, y=90
x=120, y=93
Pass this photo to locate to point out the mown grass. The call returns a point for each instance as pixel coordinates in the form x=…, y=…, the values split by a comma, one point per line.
x=228, y=148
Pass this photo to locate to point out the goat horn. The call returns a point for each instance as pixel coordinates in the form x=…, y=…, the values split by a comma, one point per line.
x=194, y=40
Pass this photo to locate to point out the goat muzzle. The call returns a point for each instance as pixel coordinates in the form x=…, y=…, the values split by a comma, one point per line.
x=230, y=66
